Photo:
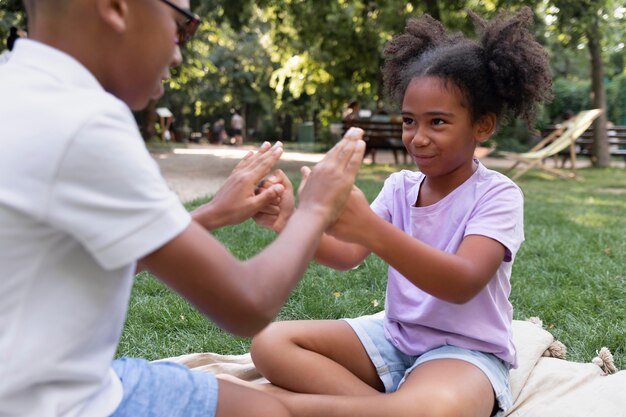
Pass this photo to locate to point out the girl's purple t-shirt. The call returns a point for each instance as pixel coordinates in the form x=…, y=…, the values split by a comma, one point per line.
x=487, y=204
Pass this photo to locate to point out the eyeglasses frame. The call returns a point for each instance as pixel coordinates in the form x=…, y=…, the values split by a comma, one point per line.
x=191, y=24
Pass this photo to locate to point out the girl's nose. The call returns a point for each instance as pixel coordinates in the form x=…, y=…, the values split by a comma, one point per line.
x=420, y=138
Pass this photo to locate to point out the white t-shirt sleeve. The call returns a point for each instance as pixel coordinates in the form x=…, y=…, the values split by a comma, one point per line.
x=109, y=194
x=499, y=215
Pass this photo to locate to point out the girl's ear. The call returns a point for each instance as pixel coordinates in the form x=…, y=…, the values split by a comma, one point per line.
x=485, y=127
x=113, y=13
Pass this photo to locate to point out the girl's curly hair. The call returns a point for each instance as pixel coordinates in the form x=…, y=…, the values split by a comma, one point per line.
x=505, y=72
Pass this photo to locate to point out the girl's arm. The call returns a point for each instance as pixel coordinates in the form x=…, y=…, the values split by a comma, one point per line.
x=331, y=252
x=455, y=278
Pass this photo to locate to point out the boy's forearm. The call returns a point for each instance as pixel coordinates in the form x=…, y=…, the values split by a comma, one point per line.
x=280, y=266
x=209, y=216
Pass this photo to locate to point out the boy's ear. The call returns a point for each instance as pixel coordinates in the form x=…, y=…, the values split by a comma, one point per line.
x=485, y=127
x=113, y=13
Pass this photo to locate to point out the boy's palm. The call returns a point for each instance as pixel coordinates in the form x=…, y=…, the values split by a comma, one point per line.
x=327, y=186
x=236, y=199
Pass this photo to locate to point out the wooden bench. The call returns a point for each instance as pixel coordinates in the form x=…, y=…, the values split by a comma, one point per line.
x=380, y=134
x=584, y=144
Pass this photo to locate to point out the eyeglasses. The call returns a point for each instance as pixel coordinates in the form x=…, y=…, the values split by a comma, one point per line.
x=187, y=29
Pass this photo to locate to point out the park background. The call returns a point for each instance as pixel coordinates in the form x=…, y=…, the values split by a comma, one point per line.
x=288, y=62
x=291, y=64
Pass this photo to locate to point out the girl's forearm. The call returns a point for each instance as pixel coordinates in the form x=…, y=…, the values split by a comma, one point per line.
x=338, y=254
x=444, y=275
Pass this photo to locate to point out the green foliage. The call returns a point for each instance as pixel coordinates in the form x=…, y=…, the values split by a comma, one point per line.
x=569, y=94
x=11, y=14
x=569, y=272
x=616, y=99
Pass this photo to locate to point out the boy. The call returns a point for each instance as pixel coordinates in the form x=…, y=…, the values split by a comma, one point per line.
x=82, y=205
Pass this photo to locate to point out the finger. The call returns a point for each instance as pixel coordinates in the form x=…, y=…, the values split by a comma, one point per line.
x=355, y=160
x=261, y=163
x=305, y=171
x=246, y=156
x=262, y=185
x=268, y=197
x=345, y=153
x=279, y=176
x=271, y=209
x=354, y=133
x=265, y=146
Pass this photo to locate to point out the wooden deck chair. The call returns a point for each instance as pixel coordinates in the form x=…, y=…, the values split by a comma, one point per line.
x=558, y=141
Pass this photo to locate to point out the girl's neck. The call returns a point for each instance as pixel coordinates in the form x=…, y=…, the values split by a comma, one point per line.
x=434, y=189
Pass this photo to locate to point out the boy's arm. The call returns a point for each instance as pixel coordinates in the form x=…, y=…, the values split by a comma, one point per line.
x=236, y=200
x=243, y=297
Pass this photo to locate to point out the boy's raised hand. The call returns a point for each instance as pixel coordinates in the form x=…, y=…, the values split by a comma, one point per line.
x=236, y=200
x=327, y=186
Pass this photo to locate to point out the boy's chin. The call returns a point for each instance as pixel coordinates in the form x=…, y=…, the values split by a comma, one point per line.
x=158, y=91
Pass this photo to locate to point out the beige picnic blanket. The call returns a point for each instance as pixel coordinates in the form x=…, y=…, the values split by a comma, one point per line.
x=541, y=386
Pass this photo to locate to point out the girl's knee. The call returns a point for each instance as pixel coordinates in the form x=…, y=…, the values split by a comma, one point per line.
x=267, y=343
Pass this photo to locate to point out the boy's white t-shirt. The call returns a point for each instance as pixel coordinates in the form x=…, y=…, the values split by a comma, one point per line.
x=80, y=201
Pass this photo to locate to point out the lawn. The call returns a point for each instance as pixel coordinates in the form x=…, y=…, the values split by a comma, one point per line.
x=570, y=272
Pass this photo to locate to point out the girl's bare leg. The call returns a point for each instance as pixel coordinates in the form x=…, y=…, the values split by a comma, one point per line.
x=315, y=357
x=438, y=388
x=256, y=404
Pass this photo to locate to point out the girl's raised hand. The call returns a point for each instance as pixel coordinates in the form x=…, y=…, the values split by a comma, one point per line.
x=276, y=214
x=353, y=221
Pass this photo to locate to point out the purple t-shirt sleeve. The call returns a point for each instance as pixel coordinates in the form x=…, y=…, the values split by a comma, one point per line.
x=382, y=203
x=499, y=215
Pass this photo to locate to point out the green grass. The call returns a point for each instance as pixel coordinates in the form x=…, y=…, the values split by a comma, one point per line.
x=570, y=272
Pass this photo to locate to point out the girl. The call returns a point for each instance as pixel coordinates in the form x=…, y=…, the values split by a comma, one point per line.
x=449, y=232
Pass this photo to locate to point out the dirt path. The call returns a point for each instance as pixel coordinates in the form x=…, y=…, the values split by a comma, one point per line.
x=199, y=170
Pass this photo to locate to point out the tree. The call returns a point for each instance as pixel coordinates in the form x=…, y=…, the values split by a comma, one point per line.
x=586, y=22
x=11, y=14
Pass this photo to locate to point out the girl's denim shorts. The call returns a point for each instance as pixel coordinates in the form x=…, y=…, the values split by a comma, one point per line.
x=394, y=367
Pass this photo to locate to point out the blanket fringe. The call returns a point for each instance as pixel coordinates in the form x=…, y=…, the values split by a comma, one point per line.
x=605, y=361
x=556, y=350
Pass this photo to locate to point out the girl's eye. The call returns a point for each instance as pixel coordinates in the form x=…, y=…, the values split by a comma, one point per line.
x=438, y=122
x=407, y=121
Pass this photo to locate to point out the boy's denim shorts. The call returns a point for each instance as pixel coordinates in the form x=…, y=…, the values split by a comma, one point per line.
x=394, y=367
x=164, y=389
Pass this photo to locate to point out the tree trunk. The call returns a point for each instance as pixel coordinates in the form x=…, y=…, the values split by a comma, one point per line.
x=601, y=157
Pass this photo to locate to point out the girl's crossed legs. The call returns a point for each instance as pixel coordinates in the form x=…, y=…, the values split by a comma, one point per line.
x=326, y=369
